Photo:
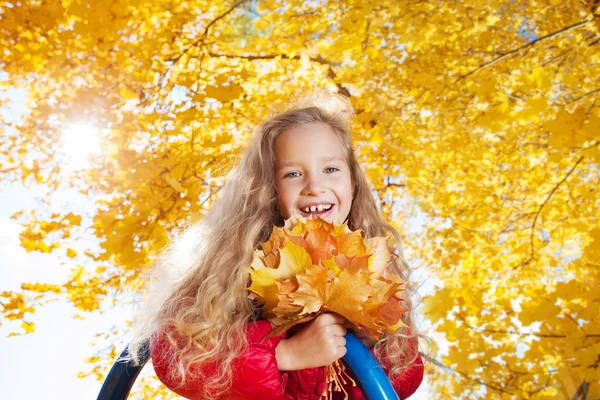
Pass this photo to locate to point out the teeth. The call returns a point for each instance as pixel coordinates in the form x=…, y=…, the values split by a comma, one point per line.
x=319, y=208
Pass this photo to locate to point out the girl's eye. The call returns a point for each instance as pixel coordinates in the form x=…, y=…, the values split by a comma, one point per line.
x=331, y=169
x=291, y=175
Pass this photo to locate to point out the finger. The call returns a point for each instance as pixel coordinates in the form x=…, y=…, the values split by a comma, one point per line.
x=336, y=341
x=338, y=330
x=340, y=341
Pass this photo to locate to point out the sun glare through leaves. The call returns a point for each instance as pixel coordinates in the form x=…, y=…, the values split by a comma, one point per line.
x=78, y=142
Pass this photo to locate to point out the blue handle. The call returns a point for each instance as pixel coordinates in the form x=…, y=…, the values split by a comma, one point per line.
x=370, y=377
x=121, y=377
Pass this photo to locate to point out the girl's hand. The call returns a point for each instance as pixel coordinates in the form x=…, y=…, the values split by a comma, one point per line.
x=320, y=342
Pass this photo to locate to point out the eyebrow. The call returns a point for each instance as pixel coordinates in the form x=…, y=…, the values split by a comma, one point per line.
x=326, y=159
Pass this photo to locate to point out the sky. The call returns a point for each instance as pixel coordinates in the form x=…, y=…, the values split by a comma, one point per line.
x=44, y=365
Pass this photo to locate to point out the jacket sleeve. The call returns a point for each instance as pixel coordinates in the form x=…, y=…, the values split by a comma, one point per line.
x=404, y=384
x=255, y=373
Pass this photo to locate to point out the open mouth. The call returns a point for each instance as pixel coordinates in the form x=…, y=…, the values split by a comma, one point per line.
x=320, y=210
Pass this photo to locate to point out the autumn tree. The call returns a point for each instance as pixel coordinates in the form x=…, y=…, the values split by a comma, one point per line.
x=485, y=113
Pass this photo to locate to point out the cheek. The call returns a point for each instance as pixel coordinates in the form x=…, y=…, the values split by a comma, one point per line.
x=344, y=192
x=345, y=189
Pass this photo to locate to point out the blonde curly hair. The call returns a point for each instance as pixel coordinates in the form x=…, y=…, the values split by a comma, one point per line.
x=197, y=289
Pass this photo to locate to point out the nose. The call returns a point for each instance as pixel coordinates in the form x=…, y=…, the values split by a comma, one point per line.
x=313, y=186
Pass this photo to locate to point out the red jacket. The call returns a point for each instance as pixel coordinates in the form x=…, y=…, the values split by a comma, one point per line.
x=257, y=377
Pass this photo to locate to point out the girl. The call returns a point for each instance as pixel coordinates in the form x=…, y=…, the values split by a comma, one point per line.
x=207, y=340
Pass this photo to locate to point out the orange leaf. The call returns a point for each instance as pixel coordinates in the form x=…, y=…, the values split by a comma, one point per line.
x=311, y=290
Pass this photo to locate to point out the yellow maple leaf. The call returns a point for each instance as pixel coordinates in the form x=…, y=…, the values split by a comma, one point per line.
x=293, y=260
x=264, y=288
x=312, y=286
x=381, y=254
x=224, y=93
x=28, y=327
x=347, y=293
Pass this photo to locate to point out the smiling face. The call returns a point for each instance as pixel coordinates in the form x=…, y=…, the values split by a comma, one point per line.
x=312, y=174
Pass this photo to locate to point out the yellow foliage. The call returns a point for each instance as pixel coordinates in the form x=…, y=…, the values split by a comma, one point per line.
x=28, y=327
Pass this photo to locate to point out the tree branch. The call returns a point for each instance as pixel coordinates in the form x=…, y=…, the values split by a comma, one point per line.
x=388, y=185
x=320, y=60
x=582, y=391
x=464, y=375
x=546, y=201
x=236, y=5
x=540, y=335
x=583, y=95
x=595, y=42
x=174, y=60
x=525, y=46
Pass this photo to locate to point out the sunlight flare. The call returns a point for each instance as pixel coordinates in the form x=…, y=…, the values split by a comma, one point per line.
x=78, y=142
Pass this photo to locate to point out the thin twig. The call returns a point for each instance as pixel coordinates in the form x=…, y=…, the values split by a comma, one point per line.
x=584, y=95
x=582, y=391
x=320, y=60
x=546, y=201
x=464, y=375
x=174, y=60
x=525, y=46
x=194, y=44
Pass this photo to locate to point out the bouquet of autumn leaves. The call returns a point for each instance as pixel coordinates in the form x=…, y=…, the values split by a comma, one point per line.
x=309, y=267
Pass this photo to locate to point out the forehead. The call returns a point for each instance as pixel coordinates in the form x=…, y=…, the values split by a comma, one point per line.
x=311, y=142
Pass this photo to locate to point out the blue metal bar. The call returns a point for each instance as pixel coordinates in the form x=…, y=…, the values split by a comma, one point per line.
x=122, y=376
x=370, y=377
